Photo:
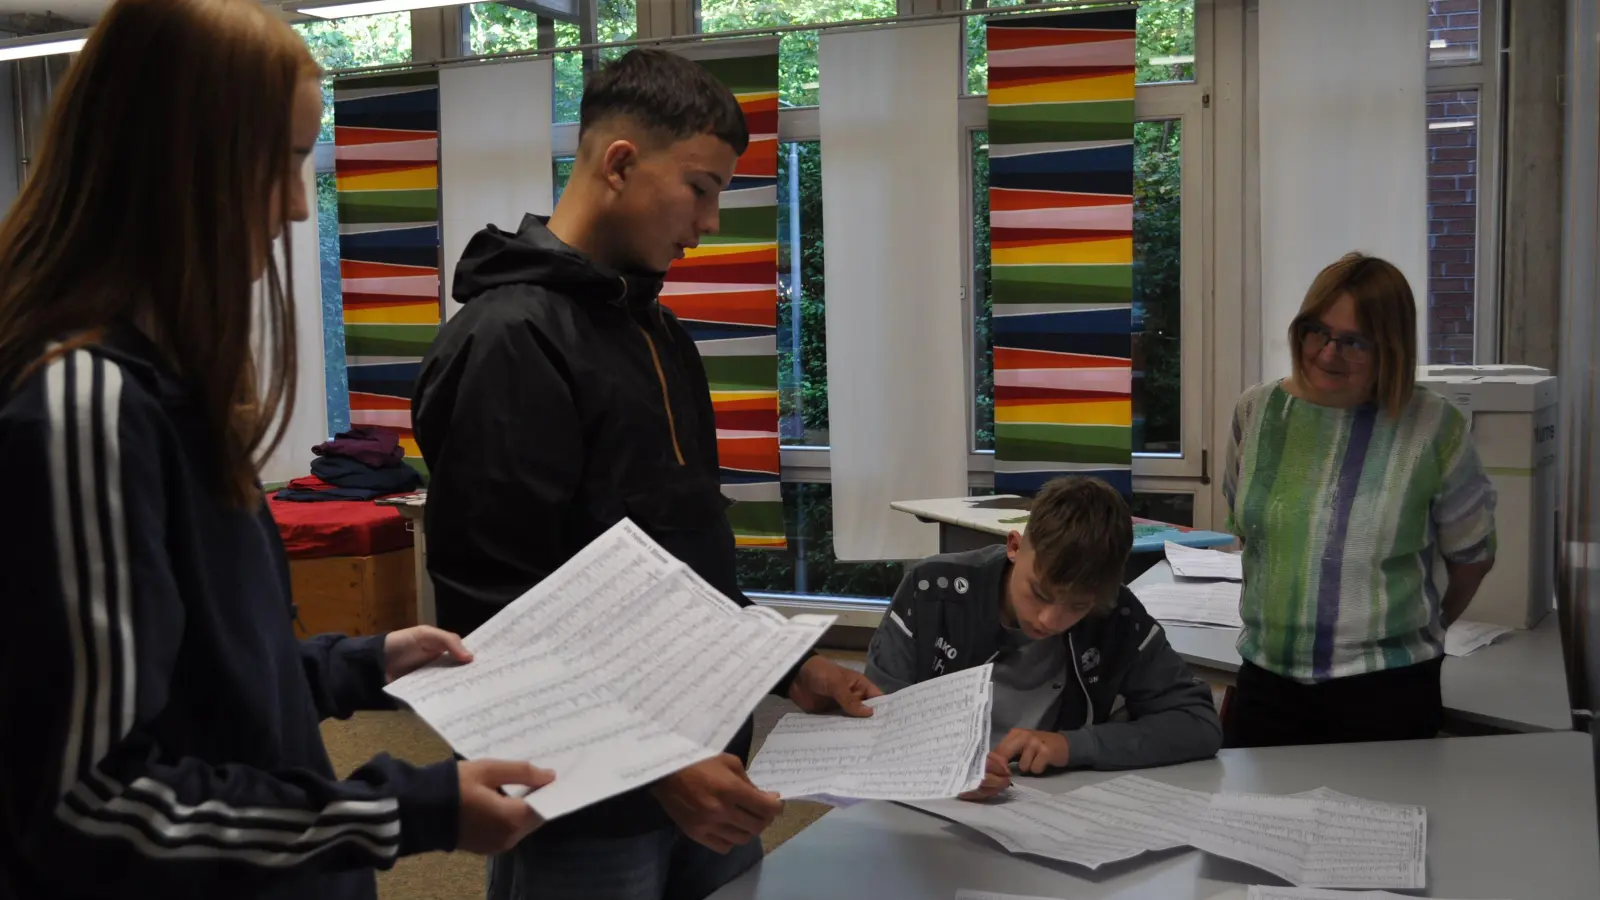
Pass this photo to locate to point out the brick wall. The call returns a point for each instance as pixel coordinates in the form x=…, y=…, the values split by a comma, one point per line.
x=1452, y=226
x=1452, y=197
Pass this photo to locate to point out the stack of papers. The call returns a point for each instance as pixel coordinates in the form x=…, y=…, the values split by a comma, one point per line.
x=1465, y=637
x=1192, y=562
x=925, y=742
x=1316, y=839
x=1210, y=604
x=621, y=668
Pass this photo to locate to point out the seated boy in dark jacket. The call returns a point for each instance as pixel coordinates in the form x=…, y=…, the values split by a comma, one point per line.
x=1083, y=676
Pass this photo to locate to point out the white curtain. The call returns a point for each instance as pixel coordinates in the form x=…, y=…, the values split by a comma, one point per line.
x=494, y=152
x=1343, y=149
x=309, y=424
x=892, y=156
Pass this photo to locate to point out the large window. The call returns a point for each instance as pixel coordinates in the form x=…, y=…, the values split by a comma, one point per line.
x=1157, y=289
x=797, y=51
x=808, y=566
x=802, y=312
x=1163, y=51
x=344, y=44
x=499, y=28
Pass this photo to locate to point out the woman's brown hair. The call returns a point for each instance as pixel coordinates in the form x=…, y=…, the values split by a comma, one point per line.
x=1387, y=312
x=150, y=204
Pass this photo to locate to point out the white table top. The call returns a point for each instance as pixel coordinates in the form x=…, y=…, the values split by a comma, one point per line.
x=971, y=512
x=1518, y=683
x=1509, y=817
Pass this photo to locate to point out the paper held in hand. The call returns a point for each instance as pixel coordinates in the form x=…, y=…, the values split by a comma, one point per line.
x=927, y=741
x=619, y=669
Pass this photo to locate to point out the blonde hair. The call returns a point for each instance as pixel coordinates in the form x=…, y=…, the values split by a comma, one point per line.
x=1387, y=311
x=150, y=204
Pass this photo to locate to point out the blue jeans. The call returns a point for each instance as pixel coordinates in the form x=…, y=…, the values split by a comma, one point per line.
x=660, y=865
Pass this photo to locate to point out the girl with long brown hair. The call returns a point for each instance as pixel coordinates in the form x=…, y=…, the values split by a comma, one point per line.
x=163, y=719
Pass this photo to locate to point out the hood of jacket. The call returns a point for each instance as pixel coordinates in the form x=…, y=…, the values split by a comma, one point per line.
x=533, y=254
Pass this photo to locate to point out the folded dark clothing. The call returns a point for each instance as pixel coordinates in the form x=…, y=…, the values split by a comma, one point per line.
x=378, y=449
x=344, y=472
x=328, y=494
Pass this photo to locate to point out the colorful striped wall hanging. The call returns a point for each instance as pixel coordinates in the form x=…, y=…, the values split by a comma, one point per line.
x=386, y=137
x=1061, y=244
x=726, y=293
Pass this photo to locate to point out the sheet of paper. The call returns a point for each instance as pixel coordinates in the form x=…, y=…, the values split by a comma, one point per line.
x=927, y=741
x=1464, y=637
x=1318, y=839
x=1209, y=603
x=620, y=668
x=1195, y=562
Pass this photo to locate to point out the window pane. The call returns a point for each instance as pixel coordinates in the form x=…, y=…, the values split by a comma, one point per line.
x=1173, y=509
x=1157, y=289
x=1453, y=31
x=802, y=338
x=350, y=43
x=808, y=565
x=1452, y=224
x=561, y=172
x=336, y=381
x=497, y=28
x=1163, y=49
x=797, y=51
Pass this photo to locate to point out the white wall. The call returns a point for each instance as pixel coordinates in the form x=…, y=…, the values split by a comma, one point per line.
x=1343, y=155
x=309, y=425
x=892, y=210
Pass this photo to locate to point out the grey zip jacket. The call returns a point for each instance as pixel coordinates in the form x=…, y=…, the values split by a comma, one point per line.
x=1129, y=701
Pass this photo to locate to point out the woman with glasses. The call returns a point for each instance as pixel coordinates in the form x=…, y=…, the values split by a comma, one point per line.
x=1352, y=490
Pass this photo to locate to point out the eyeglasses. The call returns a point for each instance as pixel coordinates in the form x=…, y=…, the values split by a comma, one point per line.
x=1352, y=347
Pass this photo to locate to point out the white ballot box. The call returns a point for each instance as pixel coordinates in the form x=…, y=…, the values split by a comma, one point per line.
x=1514, y=426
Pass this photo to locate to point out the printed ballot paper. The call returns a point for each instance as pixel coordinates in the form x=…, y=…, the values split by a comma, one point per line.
x=1194, y=562
x=1213, y=604
x=927, y=741
x=622, y=667
x=1316, y=839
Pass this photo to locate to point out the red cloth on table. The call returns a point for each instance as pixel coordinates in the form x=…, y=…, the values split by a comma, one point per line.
x=317, y=530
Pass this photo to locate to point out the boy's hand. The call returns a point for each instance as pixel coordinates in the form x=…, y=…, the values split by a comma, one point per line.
x=823, y=685
x=716, y=805
x=1034, y=751
x=996, y=779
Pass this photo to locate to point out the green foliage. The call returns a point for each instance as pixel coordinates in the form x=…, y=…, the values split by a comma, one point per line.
x=797, y=51
x=350, y=43
x=808, y=566
x=1165, y=29
x=496, y=28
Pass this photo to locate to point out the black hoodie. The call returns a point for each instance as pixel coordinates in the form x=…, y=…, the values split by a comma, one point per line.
x=560, y=399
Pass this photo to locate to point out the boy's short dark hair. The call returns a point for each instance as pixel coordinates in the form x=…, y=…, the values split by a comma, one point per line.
x=667, y=93
x=1081, y=533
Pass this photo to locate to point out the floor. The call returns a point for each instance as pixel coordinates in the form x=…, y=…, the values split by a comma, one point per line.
x=460, y=876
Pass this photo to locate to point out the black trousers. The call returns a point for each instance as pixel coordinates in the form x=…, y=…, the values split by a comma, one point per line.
x=1268, y=710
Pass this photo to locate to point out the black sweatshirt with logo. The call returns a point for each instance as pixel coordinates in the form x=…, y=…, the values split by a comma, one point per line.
x=559, y=400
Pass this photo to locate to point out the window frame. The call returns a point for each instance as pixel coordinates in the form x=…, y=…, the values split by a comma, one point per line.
x=1486, y=75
